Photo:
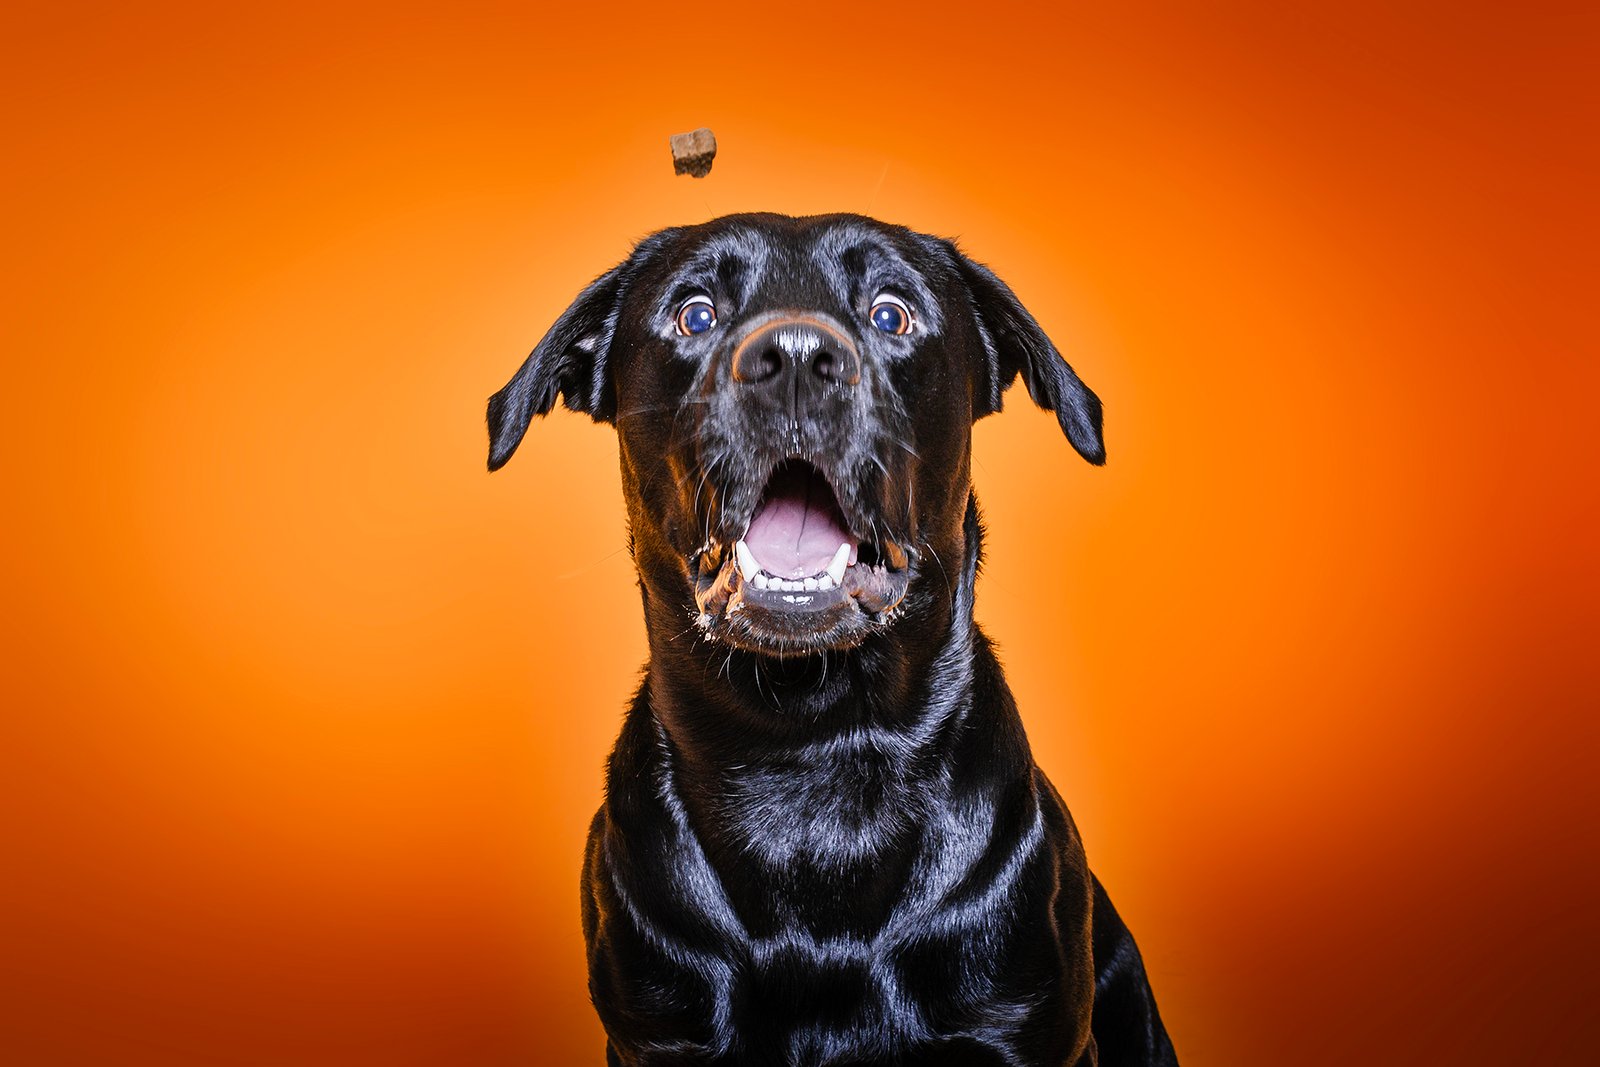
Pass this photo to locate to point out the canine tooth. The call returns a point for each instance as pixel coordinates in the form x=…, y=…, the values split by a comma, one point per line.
x=841, y=560
x=760, y=581
x=748, y=567
x=810, y=584
x=826, y=582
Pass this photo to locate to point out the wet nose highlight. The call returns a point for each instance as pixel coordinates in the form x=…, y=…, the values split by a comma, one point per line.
x=798, y=345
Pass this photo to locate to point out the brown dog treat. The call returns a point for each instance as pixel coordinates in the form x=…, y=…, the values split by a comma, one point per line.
x=693, y=152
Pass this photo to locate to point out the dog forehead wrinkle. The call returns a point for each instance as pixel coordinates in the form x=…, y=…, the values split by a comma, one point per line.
x=792, y=282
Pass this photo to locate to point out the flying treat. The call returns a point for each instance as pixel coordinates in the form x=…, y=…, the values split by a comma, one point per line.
x=693, y=152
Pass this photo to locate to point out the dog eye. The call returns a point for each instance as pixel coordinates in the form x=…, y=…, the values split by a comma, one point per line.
x=697, y=315
x=890, y=315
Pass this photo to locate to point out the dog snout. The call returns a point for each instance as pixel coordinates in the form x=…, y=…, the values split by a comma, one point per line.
x=794, y=356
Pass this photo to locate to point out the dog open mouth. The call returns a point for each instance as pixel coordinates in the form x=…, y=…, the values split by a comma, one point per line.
x=799, y=570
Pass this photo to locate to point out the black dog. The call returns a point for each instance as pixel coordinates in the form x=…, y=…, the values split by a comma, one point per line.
x=824, y=839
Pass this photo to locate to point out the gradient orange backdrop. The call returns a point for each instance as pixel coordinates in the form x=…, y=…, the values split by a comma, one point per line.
x=307, y=713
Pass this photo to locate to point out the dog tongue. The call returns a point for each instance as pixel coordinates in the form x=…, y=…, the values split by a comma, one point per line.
x=797, y=527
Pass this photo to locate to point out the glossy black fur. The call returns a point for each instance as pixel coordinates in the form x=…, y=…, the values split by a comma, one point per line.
x=824, y=839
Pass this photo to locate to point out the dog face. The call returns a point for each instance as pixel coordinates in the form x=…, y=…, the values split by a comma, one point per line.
x=794, y=399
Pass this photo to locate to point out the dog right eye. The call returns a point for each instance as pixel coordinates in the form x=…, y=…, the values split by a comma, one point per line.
x=890, y=314
x=697, y=315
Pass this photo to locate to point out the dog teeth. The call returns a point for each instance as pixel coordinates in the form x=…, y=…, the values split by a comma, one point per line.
x=748, y=567
x=830, y=578
x=841, y=560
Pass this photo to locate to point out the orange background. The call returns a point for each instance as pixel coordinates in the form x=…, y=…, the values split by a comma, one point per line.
x=307, y=713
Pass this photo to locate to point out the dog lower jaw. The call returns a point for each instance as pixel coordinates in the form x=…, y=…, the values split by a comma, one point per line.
x=795, y=622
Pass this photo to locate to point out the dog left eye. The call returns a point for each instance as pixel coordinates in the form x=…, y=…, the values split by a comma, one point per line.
x=890, y=314
x=697, y=315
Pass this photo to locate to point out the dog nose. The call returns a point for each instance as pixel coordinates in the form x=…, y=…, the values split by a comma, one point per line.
x=802, y=348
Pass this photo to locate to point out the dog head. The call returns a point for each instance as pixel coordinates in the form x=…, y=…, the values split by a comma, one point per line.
x=794, y=399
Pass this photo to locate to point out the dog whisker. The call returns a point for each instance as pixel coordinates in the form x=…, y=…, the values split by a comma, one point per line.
x=634, y=413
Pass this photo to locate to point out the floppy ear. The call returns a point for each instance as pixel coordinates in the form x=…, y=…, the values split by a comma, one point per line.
x=1014, y=344
x=569, y=360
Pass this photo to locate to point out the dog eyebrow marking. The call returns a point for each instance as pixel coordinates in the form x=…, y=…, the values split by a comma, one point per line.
x=872, y=263
x=724, y=265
